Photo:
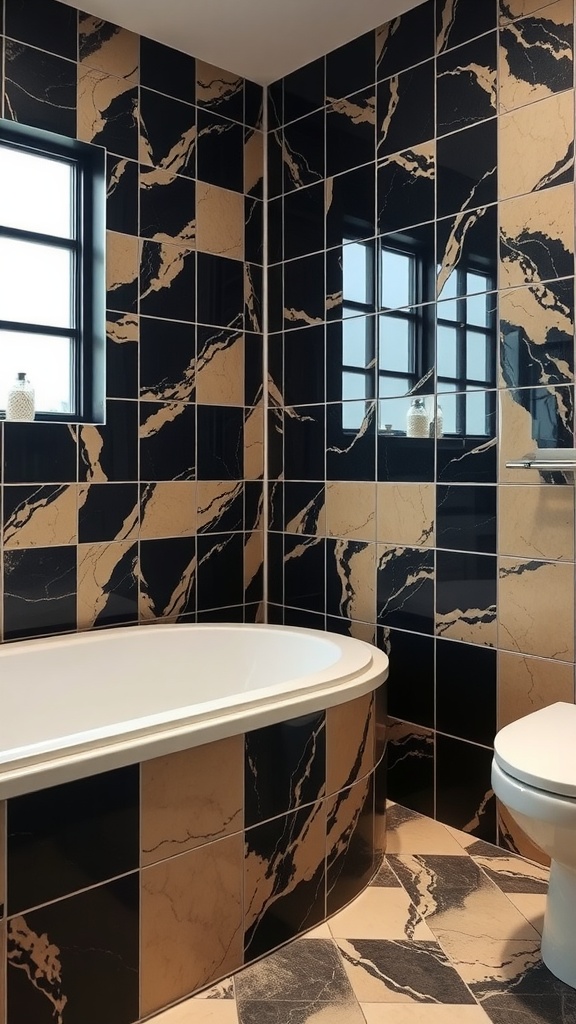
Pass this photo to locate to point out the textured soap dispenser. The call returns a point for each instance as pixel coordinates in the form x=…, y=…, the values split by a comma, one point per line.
x=20, y=404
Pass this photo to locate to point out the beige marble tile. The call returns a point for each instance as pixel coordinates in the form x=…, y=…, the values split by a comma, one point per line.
x=536, y=608
x=380, y=914
x=354, y=564
x=351, y=510
x=191, y=922
x=253, y=557
x=405, y=514
x=532, y=906
x=108, y=48
x=191, y=798
x=386, y=1013
x=532, y=319
x=517, y=89
x=511, y=9
x=254, y=443
x=512, y=837
x=98, y=92
x=420, y=835
x=216, y=500
x=534, y=145
x=99, y=565
x=480, y=961
x=200, y=1011
x=121, y=262
x=528, y=684
x=220, y=370
x=309, y=520
x=43, y=516
x=548, y=216
x=536, y=522
x=215, y=85
x=168, y=509
x=321, y=932
x=253, y=160
x=219, y=221
x=349, y=742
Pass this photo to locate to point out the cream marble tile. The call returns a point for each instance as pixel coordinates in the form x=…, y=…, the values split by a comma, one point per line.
x=483, y=963
x=385, y=1013
x=321, y=932
x=351, y=510
x=536, y=522
x=534, y=145
x=380, y=914
x=527, y=684
x=349, y=742
x=200, y=1011
x=532, y=905
x=420, y=835
x=536, y=608
x=406, y=513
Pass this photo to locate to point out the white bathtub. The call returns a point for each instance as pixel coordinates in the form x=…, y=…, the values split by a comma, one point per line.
x=78, y=705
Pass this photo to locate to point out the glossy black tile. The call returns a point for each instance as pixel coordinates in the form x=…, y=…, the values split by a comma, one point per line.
x=122, y=195
x=411, y=684
x=301, y=507
x=350, y=206
x=351, y=67
x=94, y=943
x=36, y=516
x=350, y=132
x=275, y=162
x=39, y=455
x=167, y=133
x=402, y=458
x=253, y=230
x=253, y=104
x=167, y=281
x=466, y=84
x=406, y=188
x=167, y=441
x=466, y=518
x=221, y=508
x=466, y=164
x=466, y=597
x=168, y=577
x=220, y=151
x=275, y=461
x=464, y=796
x=304, y=291
x=253, y=359
x=46, y=24
x=303, y=619
x=275, y=216
x=350, y=859
x=466, y=691
x=107, y=512
x=253, y=504
x=220, y=456
x=468, y=240
x=350, y=580
x=303, y=221
x=551, y=412
x=405, y=40
x=220, y=570
x=457, y=21
x=39, y=592
x=275, y=105
x=304, y=90
x=275, y=277
x=411, y=767
x=254, y=163
x=110, y=451
x=304, y=573
x=166, y=70
x=405, y=588
x=219, y=91
x=284, y=767
x=536, y=335
x=167, y=207
x=350, y=362
x=469, y=455
x=40, y=89
x=253, y=297
x=405, y=109
x=303, y=377
x=304, y=443
x=537, y=56
x=108, y=111
x=108, y=578
x=351, y=441
x=220, y=291
x=167, y=360
x=304, y=151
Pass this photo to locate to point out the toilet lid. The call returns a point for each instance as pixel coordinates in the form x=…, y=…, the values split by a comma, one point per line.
x=540, y=749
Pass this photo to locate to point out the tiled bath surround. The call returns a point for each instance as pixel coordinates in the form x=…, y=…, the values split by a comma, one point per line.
x=157, y=514
x=129, y=890
x=447, y=135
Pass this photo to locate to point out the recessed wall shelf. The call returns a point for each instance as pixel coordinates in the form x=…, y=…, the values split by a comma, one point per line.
x=547, y=460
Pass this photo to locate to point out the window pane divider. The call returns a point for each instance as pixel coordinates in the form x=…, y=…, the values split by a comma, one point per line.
x=40, y=239
x=24, y=328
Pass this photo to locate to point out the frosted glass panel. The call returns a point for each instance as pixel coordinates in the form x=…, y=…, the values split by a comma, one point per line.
x=46, y=362
x=36, y=193
x=35, y=283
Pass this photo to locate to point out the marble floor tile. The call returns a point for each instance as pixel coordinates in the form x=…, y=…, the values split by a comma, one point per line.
x=532, y=906
x=402, y=972
x=531, y=1009
x=380, y=914
x=385, y=877
x=200, y=1011
x=512, y=875
x=409, y=832
x=378, y=1013
x=223, y=990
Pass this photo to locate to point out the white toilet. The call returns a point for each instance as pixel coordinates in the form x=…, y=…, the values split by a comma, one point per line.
x=534, y=775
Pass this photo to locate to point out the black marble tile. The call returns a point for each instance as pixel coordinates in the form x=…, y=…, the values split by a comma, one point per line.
x=168, y=577
x=405, y=588
x=304, y=300
x=284, y=767
x=351, y=441
x=46, y=24
x=167, y=360
x=222, y=511
x=351, y=67
x=457, y=21
x=411, y=681
x=466, y=84
x=536, y=336
x=107, y=512
x=40, y=89
x=303, y=221
x=538, y=51
x=167, y=133
x=234, y=614
x=467, y=169
x=253, y=104
x=221, y=452
x=110, y=451
x=350, y=206
x=303, y=619
x=410, y=775
x=303, y=377
x=406, y=188
x=275, y=105
x=405, y=109
x=304, y=573
x=166, y=70
x=304, y=151
x=466, y=518
x=167, y=207
x=220, y=151
x=39, y=592
x=466, y=596
x=302, y=981
x=220, y=291
x=464, y=797
x=551, y=412
x=350, y=362
x=467, y=242
x=219, y=91
x=301, y=505
x=167, y=281
x=275, y=162
x=350, y=856
x=349, y=573
x=275, y=456
x=254, y=162
x=253, y=230
x=220, y=570
x=94, y=948
x=276, y=297
x=121, y=195
x=115, y=597
x=72, y=836
x=533, y=253
x=405, y=40
x=304, y=90
x=39, y=454
x=304, y=443
x=108, y=112
x=531, y=1009
x=167, y=441
x=253, y=359
x=350, y=132
x=253, y=297
x=292, y=899
x=409, y=459
x=466, y=691
x=470, y=455
x=275, y=216
x=413, y=972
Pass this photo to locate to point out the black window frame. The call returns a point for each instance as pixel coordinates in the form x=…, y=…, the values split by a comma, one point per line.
x=88, y=332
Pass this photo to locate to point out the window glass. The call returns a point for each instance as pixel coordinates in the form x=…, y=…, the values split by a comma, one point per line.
x=388, y=387
x=396, y=344
x=476, y=412
x=36, y=193
x=448, y=404
x=353, y=414
x=477, y=312
x=36, y=283
x=476, y=356
x=446, y=351
x=47, y=360
x=354, y=342
x=353, y=386
x=396, y=287
x=355, y=272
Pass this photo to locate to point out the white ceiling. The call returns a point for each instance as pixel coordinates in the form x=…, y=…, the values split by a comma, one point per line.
x=258, y=39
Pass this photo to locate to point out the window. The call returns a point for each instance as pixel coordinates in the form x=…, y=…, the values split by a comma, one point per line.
x=52, y=298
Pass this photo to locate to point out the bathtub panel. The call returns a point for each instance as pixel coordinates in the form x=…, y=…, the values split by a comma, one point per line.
x=88, y=972
x=191, y=798
x=350, y=742
x=191, y=925
x=350, y=859
x=284, y=767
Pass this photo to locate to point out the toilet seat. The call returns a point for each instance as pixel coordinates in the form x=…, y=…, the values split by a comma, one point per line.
x=540, y=749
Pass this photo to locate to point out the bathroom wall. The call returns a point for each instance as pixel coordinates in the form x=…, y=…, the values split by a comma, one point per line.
x=443, y=143
x=157, y=513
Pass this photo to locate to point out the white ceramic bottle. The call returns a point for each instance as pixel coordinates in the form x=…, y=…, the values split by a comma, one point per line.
x=417, y=419
x=20, y=404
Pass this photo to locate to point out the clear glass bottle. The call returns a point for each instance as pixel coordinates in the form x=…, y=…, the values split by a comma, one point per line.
x=417, y=419
x=437, y=423
x=20, y=403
